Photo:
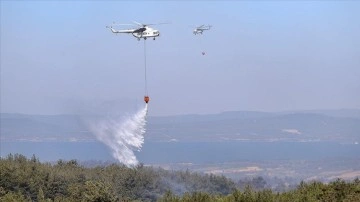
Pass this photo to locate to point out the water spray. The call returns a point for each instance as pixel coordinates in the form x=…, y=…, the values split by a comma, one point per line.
x=123, y=137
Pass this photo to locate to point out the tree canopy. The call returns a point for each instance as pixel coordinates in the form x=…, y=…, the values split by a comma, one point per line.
x=23, y=179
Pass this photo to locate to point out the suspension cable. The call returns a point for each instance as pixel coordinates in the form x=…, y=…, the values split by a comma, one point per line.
x=146, y=90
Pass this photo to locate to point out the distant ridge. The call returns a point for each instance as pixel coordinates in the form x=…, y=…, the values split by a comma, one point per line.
x=341, y=125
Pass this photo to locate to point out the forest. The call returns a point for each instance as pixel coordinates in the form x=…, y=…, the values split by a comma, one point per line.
x=28, y=179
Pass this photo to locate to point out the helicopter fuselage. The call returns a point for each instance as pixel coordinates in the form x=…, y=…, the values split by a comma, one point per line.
x=198, y=31
x=201, y=29
x=145, y=33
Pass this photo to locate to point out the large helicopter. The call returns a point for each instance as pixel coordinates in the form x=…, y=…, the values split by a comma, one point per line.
x=200, y=29
x=143, y=30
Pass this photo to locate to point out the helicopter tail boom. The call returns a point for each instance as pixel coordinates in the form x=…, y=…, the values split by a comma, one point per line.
x=120, y=31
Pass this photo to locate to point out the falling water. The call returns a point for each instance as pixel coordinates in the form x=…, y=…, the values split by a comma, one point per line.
x=123, y=137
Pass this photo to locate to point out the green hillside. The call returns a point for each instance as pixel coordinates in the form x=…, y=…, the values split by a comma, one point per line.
x=23, y=179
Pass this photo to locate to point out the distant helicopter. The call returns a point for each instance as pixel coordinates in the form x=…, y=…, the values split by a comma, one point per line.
x=200, y=29
x=143, y=30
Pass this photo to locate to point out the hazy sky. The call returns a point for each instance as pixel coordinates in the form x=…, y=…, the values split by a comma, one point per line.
x=57, y=57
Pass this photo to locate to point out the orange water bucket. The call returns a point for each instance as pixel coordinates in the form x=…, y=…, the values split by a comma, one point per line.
x=146, y=99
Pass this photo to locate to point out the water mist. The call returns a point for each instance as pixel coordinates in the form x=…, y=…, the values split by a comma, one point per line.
x=123, y=137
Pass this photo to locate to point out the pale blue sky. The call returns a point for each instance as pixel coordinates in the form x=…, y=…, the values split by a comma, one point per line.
x=57, y=57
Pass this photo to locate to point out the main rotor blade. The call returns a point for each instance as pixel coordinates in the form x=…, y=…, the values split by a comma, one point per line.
x=144, y=25
x=140, y=24
x=118, y=24
x=162, y=23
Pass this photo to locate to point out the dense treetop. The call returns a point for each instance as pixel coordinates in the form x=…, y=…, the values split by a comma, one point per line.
x=23, y=179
